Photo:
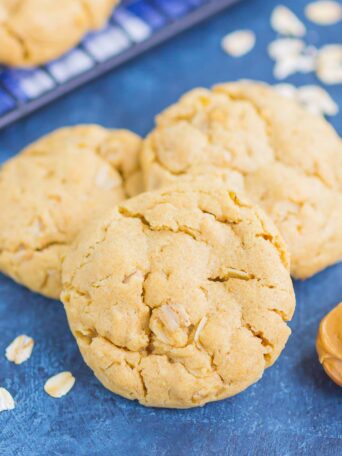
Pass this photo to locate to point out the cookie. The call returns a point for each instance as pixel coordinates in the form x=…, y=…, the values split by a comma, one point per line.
x=179, y=297
x=55, y=187
x=33, y=32
x=290, y=161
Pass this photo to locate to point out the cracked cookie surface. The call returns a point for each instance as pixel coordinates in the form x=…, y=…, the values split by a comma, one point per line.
x=34, y=32
x=55, y=187
x=179, y=297
x=289, y=159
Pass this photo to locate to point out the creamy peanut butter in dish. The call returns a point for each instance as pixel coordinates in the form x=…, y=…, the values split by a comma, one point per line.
x=329, y=344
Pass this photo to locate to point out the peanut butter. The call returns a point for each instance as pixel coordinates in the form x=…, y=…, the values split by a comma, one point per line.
x=329, y=344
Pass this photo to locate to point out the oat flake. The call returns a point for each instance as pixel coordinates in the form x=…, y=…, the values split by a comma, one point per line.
x=199, y=328
x=59, y=385
x=286, y=90
x=317, y=100
x=285, y=22
x=104, y=180
x=20, y=349
x=238, y=43
x=312, y=97
x=284, y=47
x=6, y=400
x=293, y=64
x=329, y=64
x=325, y=12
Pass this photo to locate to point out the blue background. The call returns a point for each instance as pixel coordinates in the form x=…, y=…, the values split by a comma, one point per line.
x=295, y=409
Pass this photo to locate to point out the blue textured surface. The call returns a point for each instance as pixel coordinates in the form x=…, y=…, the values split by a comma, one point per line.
x=294, y=410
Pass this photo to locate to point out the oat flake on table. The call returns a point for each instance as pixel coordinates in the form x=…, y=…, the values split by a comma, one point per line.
x=291, y=55
x=312, y=97
x=238, y=43
x=283, y=47
x=59, y=385
x=329, y=64
x=285, y=22
x=6, y=400
x=294, y=64
x=316, y=100
x=20, y=349
x=325, y=12
x=286, y=90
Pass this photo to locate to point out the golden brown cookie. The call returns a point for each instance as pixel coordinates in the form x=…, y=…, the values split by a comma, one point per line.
x=179, y=297
x=54, y=188
x=290, y=160
x=34, y=32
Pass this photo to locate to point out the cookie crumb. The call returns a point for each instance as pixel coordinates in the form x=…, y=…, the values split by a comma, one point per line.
x=20, y=349
x=59, y=385
x=325, y=12
x=285, y=22
x=6, y=400
x=238, y=43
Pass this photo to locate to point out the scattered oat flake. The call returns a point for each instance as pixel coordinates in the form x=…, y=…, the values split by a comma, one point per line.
x=325, y=12
x=283, y=47
x=286, y=90
x=312, y=97
x=317, y=100
x=329, y=64
x=238, y=43
x=285, y=22
x=59, y=385
x=306, y=63
x=310, y=51
x=293, y=64
x=285, y=67
x=20, y=349
x=6, y=400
